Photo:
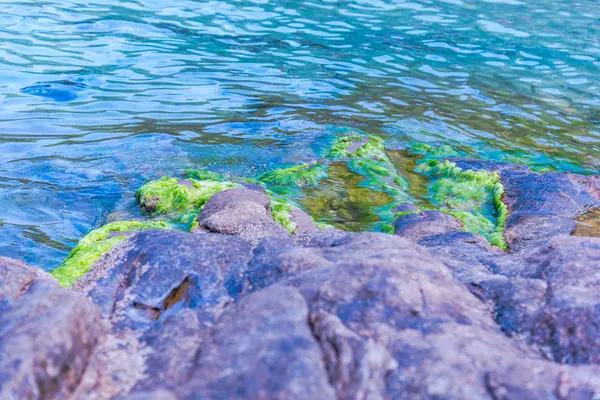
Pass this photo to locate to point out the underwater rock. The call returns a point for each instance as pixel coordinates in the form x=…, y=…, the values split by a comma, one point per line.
x=60, y=91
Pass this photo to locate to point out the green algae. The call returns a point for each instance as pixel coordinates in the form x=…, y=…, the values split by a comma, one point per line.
x=282, y=213
x=430, y=151
x=297, y=175
x=358, y=146
x=342, y=201
x=170, y=195
x=182, y=201
x=475, y=197
x=203, y=175
x=355, y=187
x=95, y=244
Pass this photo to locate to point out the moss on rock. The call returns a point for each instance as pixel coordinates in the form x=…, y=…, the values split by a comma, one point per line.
x=171, y=195
x=297, y=175
x=95, y=244
x=181, y=200
x=203, y=175
x=475, y=197
x=281, y=211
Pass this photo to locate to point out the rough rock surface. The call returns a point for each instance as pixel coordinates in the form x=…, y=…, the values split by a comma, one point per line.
x=242, y=212
x=243, y=310
x=47, y=334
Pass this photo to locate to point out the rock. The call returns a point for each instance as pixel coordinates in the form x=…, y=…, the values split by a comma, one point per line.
x=240, y=212
x=16, y=277
x=175, y=345
x=47, y=334
x=568, y=324
x=443, y=340
x=262, y=349
x=358, y=367
x=543, y=206
x=420, y=225
x=274, y=259
x=320, y=237
x=151, y=272
x=304, y=222
x=252, y=312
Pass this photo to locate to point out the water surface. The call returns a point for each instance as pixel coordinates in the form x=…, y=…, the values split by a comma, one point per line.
x=98, y=96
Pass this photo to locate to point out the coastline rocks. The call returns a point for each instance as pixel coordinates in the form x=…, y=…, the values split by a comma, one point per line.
x=242, y=309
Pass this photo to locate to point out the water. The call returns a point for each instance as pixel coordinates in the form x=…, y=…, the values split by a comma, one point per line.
x=98, y=96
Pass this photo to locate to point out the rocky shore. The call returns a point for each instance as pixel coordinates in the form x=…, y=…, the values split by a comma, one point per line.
x=254, y=301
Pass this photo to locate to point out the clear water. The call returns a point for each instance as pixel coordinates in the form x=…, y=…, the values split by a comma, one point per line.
x=98, y=96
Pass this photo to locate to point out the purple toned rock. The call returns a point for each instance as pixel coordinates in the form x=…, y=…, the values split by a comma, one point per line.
x=47, y=334
x=240, y=212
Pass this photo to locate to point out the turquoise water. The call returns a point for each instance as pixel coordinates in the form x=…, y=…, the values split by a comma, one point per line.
x=98, y=96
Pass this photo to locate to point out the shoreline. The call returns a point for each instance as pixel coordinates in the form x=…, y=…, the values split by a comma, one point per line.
x=238, y=305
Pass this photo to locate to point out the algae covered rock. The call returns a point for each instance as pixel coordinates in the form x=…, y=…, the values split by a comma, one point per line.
x=182, y=200
x=95, y=244
x=475, y=197
x=250, y=311
x=297, y=175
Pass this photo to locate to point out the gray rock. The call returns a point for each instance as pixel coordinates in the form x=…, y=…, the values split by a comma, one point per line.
x=543, y=206
x=426, y=223
x=47, y=334
x=150, y=273
x=240, y=212
x=262, y=349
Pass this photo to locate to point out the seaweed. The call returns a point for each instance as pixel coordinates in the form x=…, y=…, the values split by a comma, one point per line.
x=475, y=197
x=297, y=175
x=181, y=200
x=95, y=244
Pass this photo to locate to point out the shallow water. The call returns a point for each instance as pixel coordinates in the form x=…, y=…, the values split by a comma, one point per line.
x=98, y=96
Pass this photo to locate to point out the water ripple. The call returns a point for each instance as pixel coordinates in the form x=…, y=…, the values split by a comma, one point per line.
x=98, y=96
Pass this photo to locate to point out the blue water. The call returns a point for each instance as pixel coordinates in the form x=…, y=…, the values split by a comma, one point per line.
x=98, y=96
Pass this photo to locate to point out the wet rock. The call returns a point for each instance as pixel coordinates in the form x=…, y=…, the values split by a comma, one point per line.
x=240, y=212
x=47, y=334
